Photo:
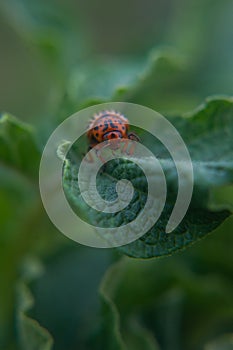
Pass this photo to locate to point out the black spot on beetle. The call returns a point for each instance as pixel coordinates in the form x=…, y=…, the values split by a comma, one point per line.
x=96, y=128
x=113, y=125
x=105, y=126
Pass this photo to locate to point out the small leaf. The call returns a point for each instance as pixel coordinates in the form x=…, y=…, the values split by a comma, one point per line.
x=18, y=148
x=111, y=333
x=31, y=334
x=19, y=206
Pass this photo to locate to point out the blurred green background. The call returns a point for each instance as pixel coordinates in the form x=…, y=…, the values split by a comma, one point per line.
x=55, y=58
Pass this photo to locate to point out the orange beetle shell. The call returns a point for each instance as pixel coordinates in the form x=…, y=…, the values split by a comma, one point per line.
x=107, y=125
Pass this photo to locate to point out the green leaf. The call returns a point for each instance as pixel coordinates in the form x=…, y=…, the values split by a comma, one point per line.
x=111, y=333
x=203, y=132
x=67, y=293
x=24, y=226
x=175, y=300
x=98, y=81
x=18, y=148
x=141, y=81
x=30, y=333
x=165, y=70
x=19, y=206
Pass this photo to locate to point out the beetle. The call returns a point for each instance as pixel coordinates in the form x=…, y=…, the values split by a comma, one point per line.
x=110, y=125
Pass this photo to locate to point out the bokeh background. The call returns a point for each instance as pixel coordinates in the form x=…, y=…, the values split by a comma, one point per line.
x=56, y=57
x=41, y=43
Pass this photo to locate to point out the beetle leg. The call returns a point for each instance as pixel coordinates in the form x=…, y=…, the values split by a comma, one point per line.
x=99, y=149
x=133, y=136
x=124, y=149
